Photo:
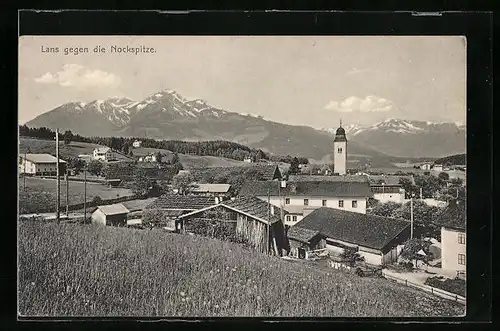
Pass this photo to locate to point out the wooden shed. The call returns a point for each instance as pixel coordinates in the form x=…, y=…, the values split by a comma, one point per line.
x=114, y=215
x=250, y=220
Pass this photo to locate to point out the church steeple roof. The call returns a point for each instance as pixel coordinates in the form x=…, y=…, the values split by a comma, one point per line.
x=340, y=133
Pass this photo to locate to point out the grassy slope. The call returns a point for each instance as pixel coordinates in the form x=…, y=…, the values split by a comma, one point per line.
x=105, y=271
x=48, y=146
x=193, y=161
x=40, y=192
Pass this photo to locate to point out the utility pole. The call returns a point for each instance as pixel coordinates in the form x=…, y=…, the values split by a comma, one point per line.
x=268, y=217
x=58, y=179
x=411, y=216
x=85, y=193
x=67, y=192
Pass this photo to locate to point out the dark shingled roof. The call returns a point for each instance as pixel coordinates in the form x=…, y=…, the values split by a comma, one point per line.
x=389, y=179
x=356, y=228
x=253, y=206
x=268, y=172
x=181, y=202
x=319, y=178
x=313, y=188
x=302, y=234
x=453, y=216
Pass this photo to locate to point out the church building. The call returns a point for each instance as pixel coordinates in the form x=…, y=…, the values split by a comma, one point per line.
x=340, y=152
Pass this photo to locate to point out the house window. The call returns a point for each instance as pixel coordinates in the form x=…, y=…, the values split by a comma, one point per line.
x=341, y=203
x=339, y=150
x=461, y=259
x=288, y=218
x=294, y=218
x=287, y=201
x=323, y=203
x=461, y=238
x=306, y=202
x=354, y=204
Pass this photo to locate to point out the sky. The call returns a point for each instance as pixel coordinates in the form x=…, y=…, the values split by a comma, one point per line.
x=299, y=80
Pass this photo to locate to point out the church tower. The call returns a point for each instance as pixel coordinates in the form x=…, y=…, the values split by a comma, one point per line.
x=340, y=151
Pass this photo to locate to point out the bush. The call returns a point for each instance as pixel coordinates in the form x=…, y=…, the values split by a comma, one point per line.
x=97, y=200
x=456, y=286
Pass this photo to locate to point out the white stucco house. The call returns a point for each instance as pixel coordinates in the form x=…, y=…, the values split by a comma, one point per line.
x=453, y=239
x=300, y=197
x=103, y=154
x=40, y=165
x=136, y=143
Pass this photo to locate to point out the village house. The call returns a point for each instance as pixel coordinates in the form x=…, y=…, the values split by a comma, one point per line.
x=114, y=215
x=148, y=158
x=437, y=167
x=249, y=218
x=453, y=239
x=298, y=198
x=136, y=143
x=425, y=166
x=387, y=188
x=379, y=240
x=40, y=165
x=165, y=210
x=266, y=172
x=104, y=154
x=248, y=160
x=222, y=191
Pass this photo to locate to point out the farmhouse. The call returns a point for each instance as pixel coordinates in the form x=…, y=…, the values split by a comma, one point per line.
x=265, y=171
x=300, y=197
x=426, y=166
x=136, y=143
x=437, y=167
x=248, y=219
x=40, y=165
x=387, y=188
x=165, y=210
x=104, y=154
x=453, y=238
x=378, y=239
x=114, y=215
x=212, y=190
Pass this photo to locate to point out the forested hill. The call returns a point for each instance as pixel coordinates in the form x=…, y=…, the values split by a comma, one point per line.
x=219, y=148
x=452, y=159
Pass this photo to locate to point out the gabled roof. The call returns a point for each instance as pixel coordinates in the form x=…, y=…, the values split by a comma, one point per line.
x=453, y=216
x=319, y=178
x=181, y=202
x=302, y=234
x=41, y=158
x=250, y=206
x=267, y=172
x=356, y=228
x=102, y=149
x=113, y=209
x=388, y=180
x=307, y=188
x=211, y=188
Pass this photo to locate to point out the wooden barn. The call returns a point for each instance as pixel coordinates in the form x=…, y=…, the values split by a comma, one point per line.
x=165, y=210
x=247, y=219
x=303, y=240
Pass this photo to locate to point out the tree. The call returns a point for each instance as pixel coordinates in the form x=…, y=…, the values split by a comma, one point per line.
x=68, y=137
x=143, y=185
x=126, y=148
x=76, y=164
x=387, y=209
x=351, y=256
x=175, y=159
x=294, y=166
x=159, y=157
x=97, y=200
x=424, y=217
x=412, y=248
x=183, y=183
x=444, y=176
x=95, y=167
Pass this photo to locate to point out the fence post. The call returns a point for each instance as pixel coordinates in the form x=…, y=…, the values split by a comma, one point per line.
x=432, y=290
x=456, y=298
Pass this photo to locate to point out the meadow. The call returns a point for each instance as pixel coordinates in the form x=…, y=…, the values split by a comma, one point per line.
x=40, y=194
x=92, y=270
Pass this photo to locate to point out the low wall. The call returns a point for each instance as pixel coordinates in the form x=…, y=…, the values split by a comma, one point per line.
x=433, y=290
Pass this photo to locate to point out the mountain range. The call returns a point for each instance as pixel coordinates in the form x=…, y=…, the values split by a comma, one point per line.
x=168, y=115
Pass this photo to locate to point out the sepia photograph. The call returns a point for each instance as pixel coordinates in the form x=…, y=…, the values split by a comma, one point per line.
x=242, y=176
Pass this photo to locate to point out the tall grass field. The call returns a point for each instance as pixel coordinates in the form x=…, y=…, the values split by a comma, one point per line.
x=88, y=270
